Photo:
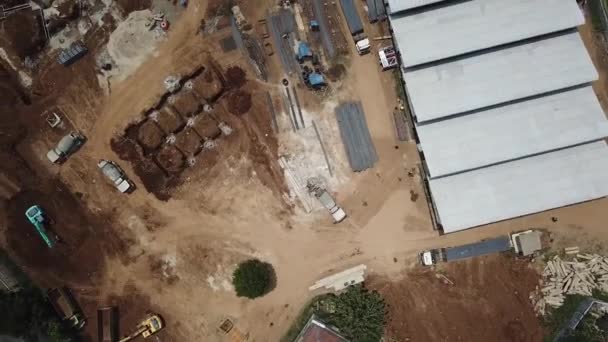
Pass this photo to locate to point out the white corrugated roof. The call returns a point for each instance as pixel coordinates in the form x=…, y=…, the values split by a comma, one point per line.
x=499, y=76
x=402, y=5
x=479, y=24
x=521, y=187
x=512, y=131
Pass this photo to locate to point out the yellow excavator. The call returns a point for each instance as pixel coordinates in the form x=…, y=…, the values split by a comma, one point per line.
x=146, y=328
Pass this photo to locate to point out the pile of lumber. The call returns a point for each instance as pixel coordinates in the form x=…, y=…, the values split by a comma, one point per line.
x=583, y=274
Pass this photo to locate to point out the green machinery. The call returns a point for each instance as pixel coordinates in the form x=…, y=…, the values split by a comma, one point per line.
x=36, y=217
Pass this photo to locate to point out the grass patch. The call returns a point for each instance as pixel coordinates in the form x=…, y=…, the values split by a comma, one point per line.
x=357, y=313
x=597, y=17
x=315, y=306
x=558, y=317
x=399, y=87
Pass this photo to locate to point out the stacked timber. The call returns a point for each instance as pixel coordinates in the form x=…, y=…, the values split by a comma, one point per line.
x=582, y=275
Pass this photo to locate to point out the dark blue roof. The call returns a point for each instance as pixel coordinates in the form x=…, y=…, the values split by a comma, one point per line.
x=499, y=244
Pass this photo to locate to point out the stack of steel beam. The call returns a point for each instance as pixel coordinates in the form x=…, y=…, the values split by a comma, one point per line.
x=357, y=141
x=282, y=26
x=321, y=17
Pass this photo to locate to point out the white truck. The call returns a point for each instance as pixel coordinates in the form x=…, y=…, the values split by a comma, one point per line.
x=326, y=200
x=362, y=44
x=65, y=147
x=115, y=174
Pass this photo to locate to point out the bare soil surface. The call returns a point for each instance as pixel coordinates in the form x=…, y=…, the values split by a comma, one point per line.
x=171, y=245
x=485, y=299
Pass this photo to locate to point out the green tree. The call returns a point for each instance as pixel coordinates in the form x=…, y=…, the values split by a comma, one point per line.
x=359, y=314
x=253, y=278
x=27, y=314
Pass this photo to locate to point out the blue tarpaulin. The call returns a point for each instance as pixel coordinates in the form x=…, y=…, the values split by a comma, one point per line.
x=304, y=50
x=316, y=79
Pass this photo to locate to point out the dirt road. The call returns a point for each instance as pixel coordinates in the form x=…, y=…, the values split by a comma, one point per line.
x=176, y=257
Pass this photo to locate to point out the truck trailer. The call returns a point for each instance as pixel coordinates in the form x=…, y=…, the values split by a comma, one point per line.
x=64, y=304
x=489, y=246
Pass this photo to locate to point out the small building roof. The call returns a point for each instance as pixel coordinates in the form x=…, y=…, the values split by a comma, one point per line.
x=475, y=25
x=512, y=131
x=521, y=187
x=529, y=242
x=499, y=76
x=317, y=331
x=402, y=5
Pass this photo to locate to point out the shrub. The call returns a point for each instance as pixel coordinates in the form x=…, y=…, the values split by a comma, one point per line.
x=253, y=278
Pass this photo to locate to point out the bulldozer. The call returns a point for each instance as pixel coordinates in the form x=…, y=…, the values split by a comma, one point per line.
x=146, y=328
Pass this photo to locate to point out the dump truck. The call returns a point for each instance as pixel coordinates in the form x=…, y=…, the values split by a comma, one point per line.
x=106, y=324
x=65, y=147
x=146, y=328
x=115, y=174
x=64, y=304
x=326, y=200
x=489, y=246
x=36, y=216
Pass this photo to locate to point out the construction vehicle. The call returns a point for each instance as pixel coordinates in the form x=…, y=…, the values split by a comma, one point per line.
x=148, y=327
x=489, y=246
x=36, y=216
x=106, y=324
x=326, y=200
x=65, y=147
x=64, y=304
x=115, y=174
x=363, y=46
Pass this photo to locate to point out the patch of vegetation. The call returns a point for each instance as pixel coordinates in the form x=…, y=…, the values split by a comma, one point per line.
x=253, y=278
x=587, y=331
x=27, y=314
x=399, y=87
x=596, y=14
x=357, y=313
x=558, y=317
x=316, y=306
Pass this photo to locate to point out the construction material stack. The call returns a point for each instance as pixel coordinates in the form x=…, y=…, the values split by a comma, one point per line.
x=582, y=276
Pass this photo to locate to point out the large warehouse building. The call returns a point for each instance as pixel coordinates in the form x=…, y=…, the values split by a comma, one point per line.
x=501, y=98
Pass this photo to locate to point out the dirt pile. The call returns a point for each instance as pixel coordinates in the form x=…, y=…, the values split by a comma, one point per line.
x=235, y=77
x=208, y=85
x=239, y=102
x=22, y=32
x=484, y=299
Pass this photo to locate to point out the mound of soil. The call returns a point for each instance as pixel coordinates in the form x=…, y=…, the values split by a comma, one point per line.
x=208, y=85
x=171, y=159
x=336, y=72
x=206, y=127
x=239, y=102
x=235, y=77
x=188, y=141
x=185, y=103
x=483, y=299
x=149, y=135
x=129, y=6
x=169, y=120
x=24, y=32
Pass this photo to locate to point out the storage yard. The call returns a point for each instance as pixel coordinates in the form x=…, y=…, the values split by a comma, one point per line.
x=164, y=142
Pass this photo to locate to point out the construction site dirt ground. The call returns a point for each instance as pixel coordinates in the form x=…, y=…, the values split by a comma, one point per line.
x=175, y=255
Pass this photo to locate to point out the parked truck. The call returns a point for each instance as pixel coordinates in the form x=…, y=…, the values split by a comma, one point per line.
x=489, y=246
x=326, y=200
x=65, y=147
x=64, y=304
x=115, y=174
